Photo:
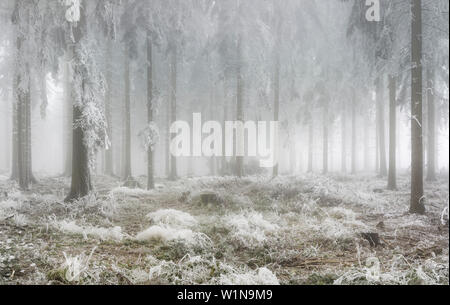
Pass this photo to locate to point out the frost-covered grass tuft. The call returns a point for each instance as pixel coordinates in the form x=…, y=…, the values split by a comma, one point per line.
x=75, y=267
x=167, y=233
x=173, y=218
x=207, y=270
x=249, y=229
x=261, y=276
x=114, y=233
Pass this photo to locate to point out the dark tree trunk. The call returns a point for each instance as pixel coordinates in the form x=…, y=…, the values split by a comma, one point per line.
x=381, y=127
x=310, y=144
x=168, y=136
x=325, y=138
x=353, y=133
x=239, y=106
x=431, y=147
x=150, y=167
x=225, y=117
x=108, y=155
x=127, y=176
x=81, y=184
x=23, y=119
x=392, y=179
x=173, y=108
x=15, y=139
x=68, y=118
x=417, y=193
x=344, y=138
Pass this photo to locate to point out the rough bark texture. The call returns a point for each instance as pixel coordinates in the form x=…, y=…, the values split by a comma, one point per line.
x=150, y=169
x=392, y=179
x=344, y=138
x=353, y=168
x=325, y=138
x=108, y=156
x=310, y=145
x=417, y=194
x=68, y=118
x=431, y=147
x=239, y=106
x=173, y=106
x=381, y=127
x=81, y=184
x=127, y=120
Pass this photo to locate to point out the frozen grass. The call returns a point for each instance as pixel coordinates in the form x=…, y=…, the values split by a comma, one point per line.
x=71, y=227
x=172, y=217
x=289, y=230
x=250, y=229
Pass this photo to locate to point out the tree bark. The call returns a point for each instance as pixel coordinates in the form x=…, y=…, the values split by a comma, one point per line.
x=381, y=126
x=173, y=104
x=81, y=184
x=325, y=138
x=431, y=147
x=392, y=179
x=150, y=166
x=310, y=144
x=108, y=155
x=127, y=177
x=239, y=106
x=68, y=117
x=344, y=138
x=417, y=193
x=353, y=169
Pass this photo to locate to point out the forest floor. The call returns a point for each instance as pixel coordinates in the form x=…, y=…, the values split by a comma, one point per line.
x=305, y=229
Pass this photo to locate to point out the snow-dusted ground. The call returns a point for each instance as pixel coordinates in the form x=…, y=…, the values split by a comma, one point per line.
x=289, y=230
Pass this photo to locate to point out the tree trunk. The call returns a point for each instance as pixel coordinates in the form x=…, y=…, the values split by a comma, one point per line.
x=173, y=108
x=354, y=133
x=344, y=139
x=127, y=177
x=15, y=137
x=325, y=138
x=68, y=117
x=150, y=167
x=417, y=193
x=108, y=155
x=81, y=184
x=381, y=126
x=392, y=180
x=431, y=147
x=310, y=144
x=23, y=112
x=239, y=107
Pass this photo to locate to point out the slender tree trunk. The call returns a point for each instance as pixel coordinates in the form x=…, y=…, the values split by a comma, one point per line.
x=225, y=117
x=168, y=135
x=431, y=147
x=239, y=107
x=366, y=142
x=276, y=108
x=68, y=116
x=417, y=193
x=381, y=126
x=127, y=177
x=325, y=138
x=353, y=169
x=23, y=100
x=392, y=180
x=173, y=103
x=344, y=139
x=150, y=165
x=108, y=155
x=15, y=137
x=310, y=145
